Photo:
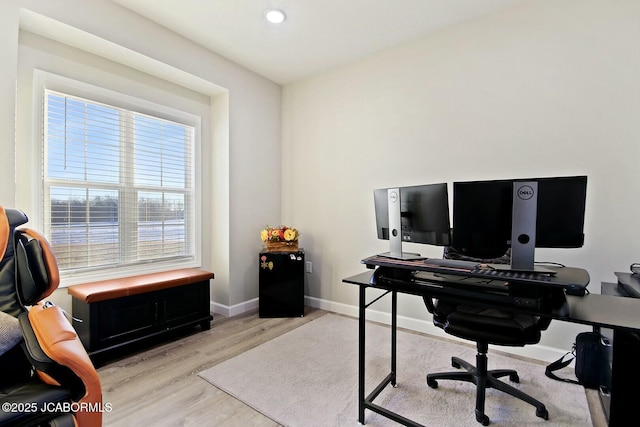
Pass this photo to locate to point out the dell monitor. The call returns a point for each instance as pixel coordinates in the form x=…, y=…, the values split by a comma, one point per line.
x=417, y=214
x=490, y=217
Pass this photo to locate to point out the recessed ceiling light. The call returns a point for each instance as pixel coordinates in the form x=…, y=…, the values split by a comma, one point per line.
x=275, y=16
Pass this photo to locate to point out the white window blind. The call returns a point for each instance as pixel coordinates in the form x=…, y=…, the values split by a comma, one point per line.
x=118, y=185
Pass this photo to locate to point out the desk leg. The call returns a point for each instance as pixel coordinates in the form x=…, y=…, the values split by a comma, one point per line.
x=367, y=401
x=394, y=334
x=361, y=346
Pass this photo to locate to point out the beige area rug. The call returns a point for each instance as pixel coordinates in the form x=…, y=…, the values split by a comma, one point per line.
x=309, y=377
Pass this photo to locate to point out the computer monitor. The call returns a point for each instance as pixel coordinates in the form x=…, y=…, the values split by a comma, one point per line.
x=489, y=217
x=417, y=214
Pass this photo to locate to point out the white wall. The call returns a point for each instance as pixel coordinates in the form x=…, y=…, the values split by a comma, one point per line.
x=242, y=153
x=545, y=88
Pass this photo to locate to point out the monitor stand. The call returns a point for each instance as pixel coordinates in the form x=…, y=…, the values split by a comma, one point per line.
x=395, y=228
x=523, y=229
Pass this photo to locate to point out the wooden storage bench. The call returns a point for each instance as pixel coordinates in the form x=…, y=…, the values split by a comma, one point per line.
x=117, y=312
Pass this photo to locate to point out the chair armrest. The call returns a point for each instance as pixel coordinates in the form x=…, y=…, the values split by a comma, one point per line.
x=59, y=341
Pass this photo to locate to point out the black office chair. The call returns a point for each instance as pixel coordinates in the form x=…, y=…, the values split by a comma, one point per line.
x=485, y=326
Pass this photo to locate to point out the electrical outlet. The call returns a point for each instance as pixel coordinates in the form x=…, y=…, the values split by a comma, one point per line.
x=308, y=267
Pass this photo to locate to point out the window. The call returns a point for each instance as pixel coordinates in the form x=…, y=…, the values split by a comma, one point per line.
x=118, y=185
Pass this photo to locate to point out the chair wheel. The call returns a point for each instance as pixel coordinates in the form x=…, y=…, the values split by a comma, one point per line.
x=432, y=383
x=482, y=418
x=542, y=413
x=514, y=378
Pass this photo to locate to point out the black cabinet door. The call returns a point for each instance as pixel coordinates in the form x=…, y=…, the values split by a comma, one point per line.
x=126, y=318
x=185, y=304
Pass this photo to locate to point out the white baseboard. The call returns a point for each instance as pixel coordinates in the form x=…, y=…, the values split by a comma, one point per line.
x=234, y=310
x=537, y=351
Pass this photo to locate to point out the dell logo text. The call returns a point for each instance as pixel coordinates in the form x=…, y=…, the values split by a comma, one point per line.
x=525, y=192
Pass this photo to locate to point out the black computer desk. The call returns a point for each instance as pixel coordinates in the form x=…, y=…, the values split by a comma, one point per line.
x=619, y=314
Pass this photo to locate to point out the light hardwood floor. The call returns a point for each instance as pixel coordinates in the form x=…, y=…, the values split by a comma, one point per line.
x=160, y=386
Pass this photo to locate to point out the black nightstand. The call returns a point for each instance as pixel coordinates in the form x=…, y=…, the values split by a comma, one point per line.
x=281, y=284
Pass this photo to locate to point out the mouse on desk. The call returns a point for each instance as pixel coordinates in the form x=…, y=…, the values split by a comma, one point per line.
x=578, y=291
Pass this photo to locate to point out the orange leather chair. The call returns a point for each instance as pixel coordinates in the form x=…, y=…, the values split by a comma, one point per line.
x=47, y=378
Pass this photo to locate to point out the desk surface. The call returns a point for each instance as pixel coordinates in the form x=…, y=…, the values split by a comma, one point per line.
x=592, y=309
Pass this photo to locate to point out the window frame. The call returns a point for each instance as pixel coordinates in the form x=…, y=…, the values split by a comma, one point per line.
x=49, y=81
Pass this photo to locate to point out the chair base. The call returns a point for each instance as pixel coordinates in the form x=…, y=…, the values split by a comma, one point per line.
x=484, y=379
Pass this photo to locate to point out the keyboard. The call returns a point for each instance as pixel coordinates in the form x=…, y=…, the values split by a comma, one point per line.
x=493, y=273
x=489, y=271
